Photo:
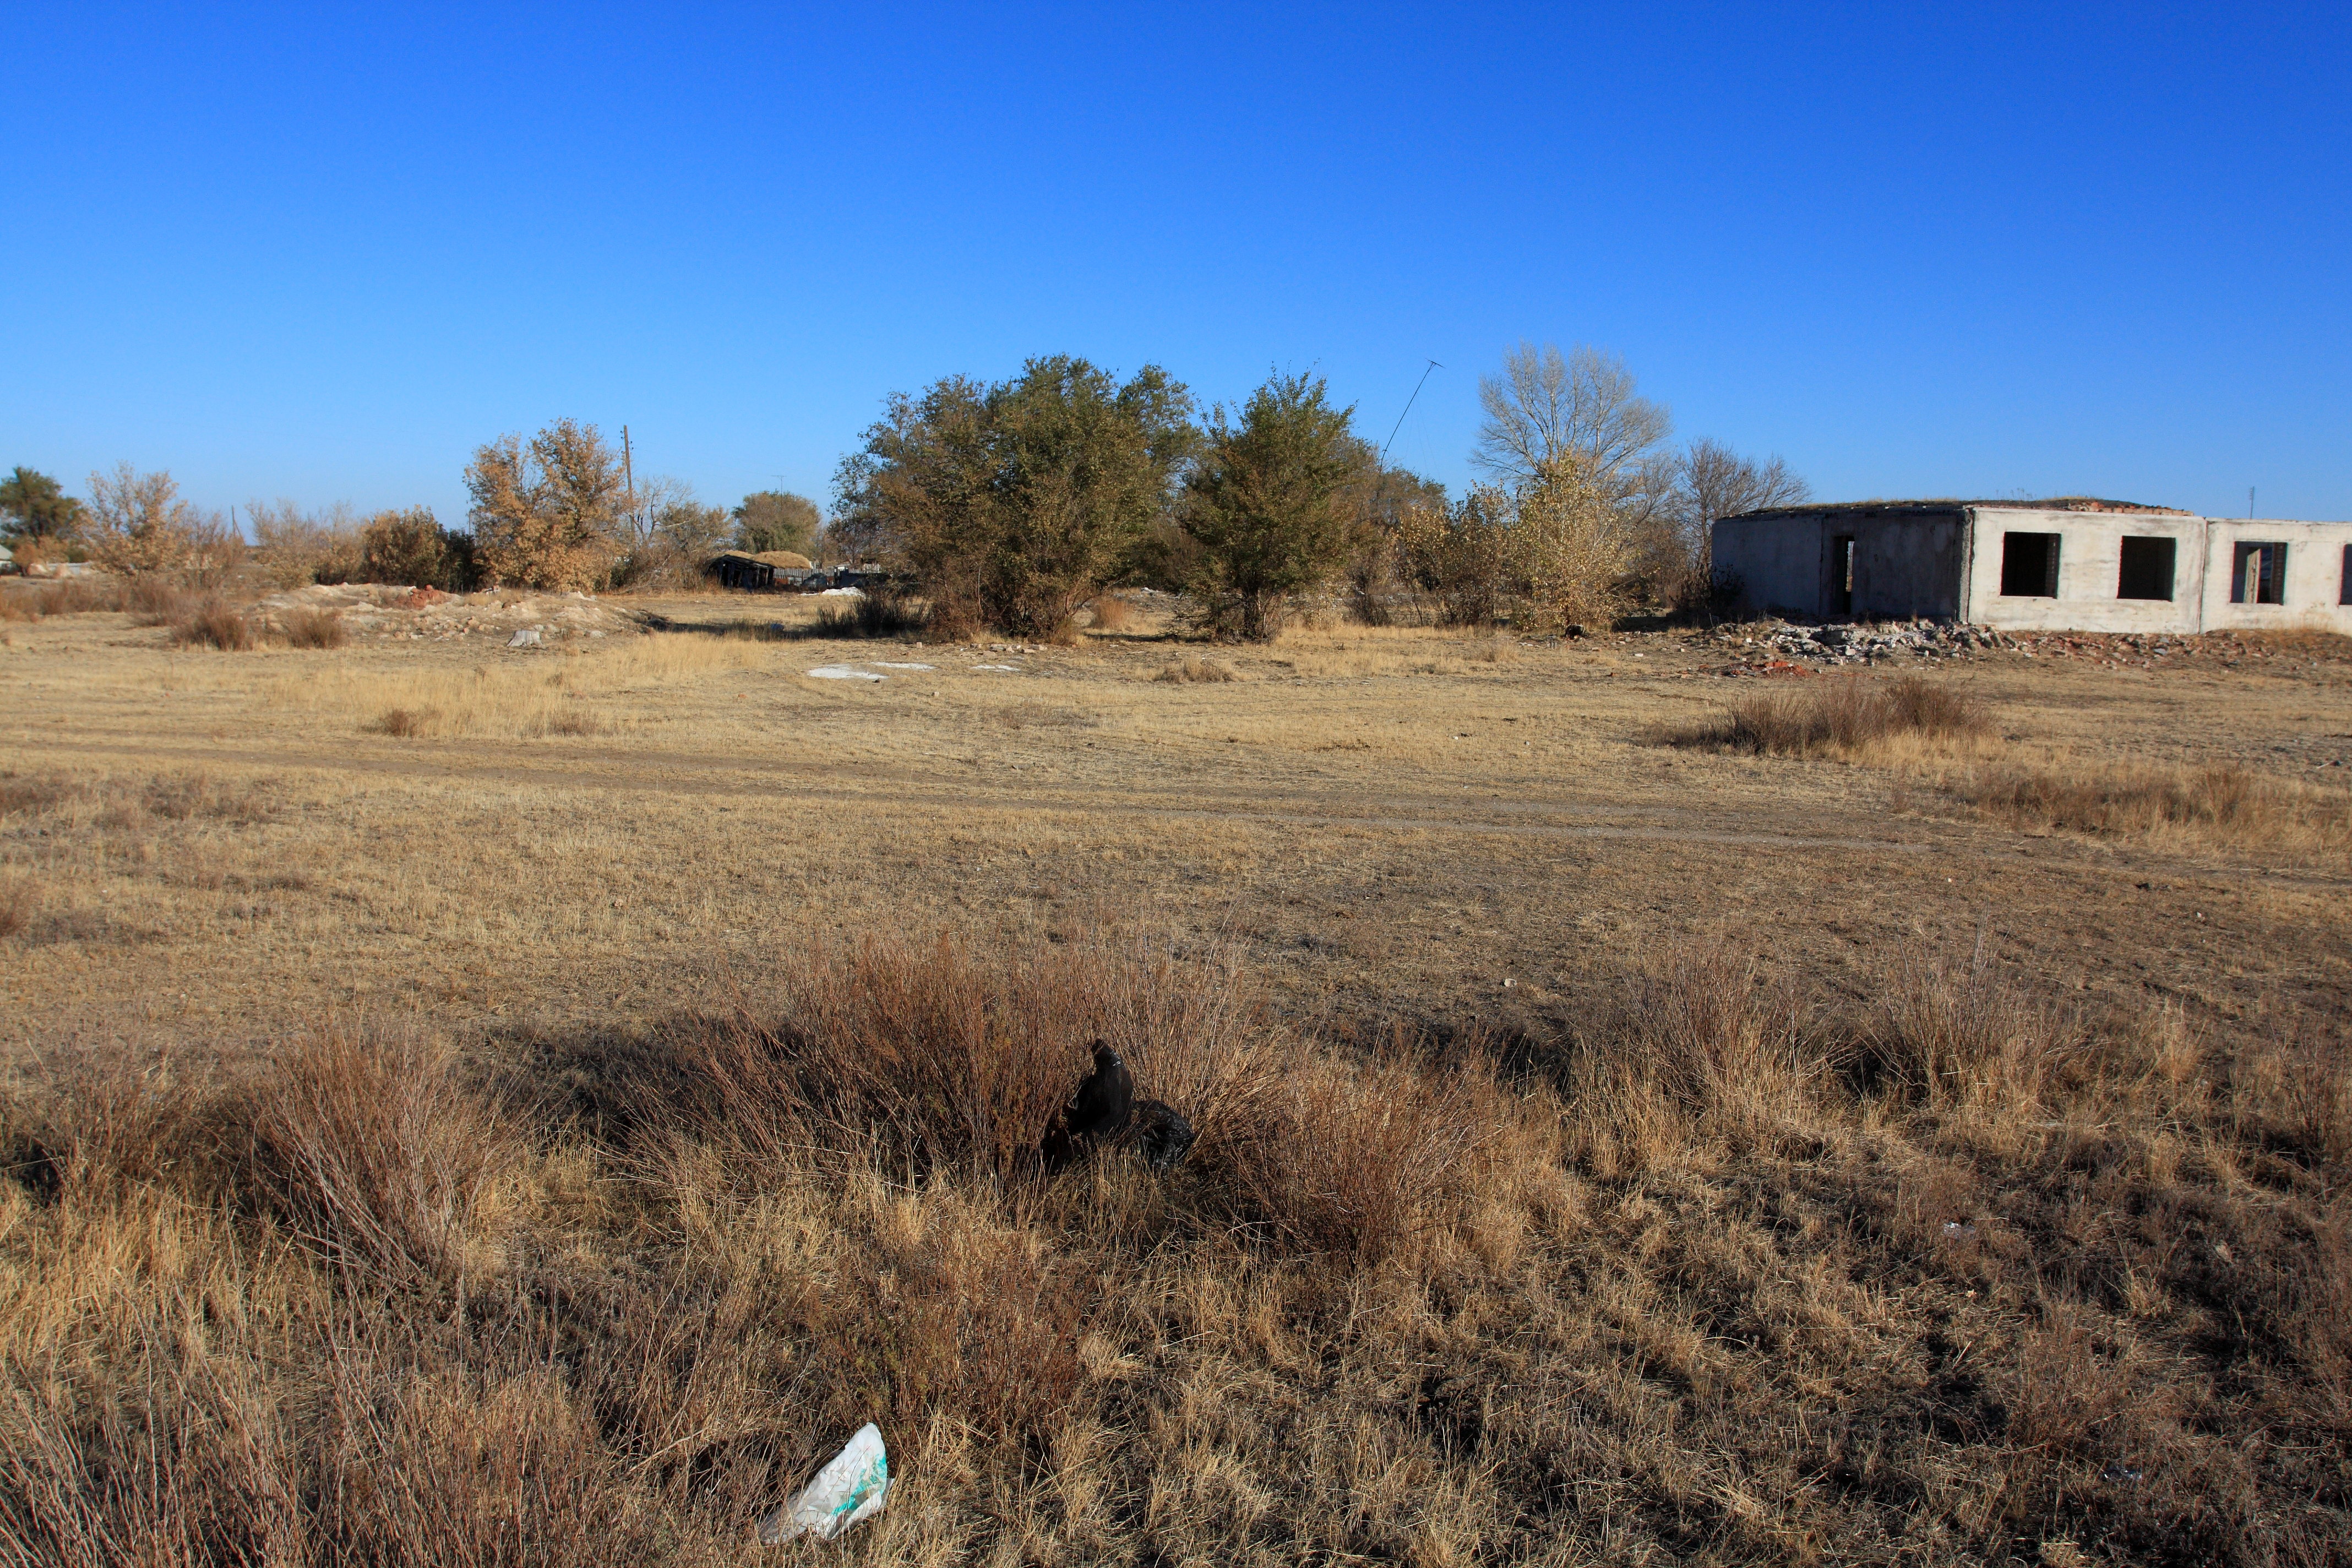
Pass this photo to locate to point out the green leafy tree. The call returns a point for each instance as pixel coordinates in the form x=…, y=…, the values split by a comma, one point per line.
x=1268, y=503
x=547, y=515
x=776, y=520
x=1014, y=504
x=34, y=506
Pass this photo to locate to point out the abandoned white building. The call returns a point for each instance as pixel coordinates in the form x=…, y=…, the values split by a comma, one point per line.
x=2071, y=565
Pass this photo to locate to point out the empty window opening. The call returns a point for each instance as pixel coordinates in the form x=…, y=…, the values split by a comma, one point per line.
x=2343, y=580
x=2258, y=574
x=2148, y=569
x=2029, y=565
x=1842, y=575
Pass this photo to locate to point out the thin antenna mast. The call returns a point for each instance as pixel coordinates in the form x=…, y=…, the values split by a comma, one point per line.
x=2249, y=503
x=1417, y=385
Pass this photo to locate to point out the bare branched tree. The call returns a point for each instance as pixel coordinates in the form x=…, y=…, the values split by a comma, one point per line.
x=1716, y=482
x=136, y=524
x=1581, y=407
x=1712, y=481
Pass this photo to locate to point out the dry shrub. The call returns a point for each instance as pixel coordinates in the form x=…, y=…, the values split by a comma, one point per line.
x=939, y=1058
x=1707, y=1026
x=1700, y=1042
x=157, y=601
x=1845, y=715
x=1113, y=614
x=1947, y=1031
x=1194, y=670
x=405, y=723
x=210, y=623
x=380, y=1155
x=110, y=1122
x=80, y=595
x=316, y=628
x=2229, y=804
x=1365, y=1161
x=876, y=612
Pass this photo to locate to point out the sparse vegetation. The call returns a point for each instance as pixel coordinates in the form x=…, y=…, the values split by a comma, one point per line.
x=1845, y=716
x=405, y=723
x=2227, y=804
x=1194, y=670
x=1696, y=1249
x=1608, y=1152
x=877, y=613
x=315, y=630
x=211, y=622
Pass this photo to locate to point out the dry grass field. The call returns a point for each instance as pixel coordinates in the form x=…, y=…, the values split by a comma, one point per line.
x=529, y=1105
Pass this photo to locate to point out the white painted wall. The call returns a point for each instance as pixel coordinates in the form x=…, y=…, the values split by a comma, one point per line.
x=2315, y=574
x=2090, y=566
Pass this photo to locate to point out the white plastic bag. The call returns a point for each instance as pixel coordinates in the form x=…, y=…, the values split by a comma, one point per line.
x=851, y=1486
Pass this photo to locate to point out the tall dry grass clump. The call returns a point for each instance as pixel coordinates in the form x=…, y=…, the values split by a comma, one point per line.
x=1194, y=670
x=1365, y=1160
x=876, y=612
x=210, y=622
x=316, y=629
x=1113, y=614
x=379, y=1155
x=939, y=1058
x=2225, y=805
x=1948, y=1031
x=1846, y=716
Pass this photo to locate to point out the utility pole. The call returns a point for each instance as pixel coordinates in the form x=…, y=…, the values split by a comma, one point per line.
x=2249, y=503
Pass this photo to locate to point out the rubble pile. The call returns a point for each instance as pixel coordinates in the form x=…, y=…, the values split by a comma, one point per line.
x=1789, y=648
x=427, y=614
x=1775, y=646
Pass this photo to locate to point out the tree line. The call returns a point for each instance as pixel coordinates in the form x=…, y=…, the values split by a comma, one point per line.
x=553, y=513
x=1010, y=505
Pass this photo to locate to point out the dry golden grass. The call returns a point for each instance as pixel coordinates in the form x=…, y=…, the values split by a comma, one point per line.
x=2229, y=805
x=316, y=629
x=1113, y=614
x=1692, y=1263
x=1609, y=1152
x=211, y=623
x=1194, y=670
x=1847, y=716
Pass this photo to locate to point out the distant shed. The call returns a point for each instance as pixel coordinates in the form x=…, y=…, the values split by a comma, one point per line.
x=2071, y=564
x=735, y=569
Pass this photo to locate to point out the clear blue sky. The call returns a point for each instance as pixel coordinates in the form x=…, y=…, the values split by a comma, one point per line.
x=323, y=252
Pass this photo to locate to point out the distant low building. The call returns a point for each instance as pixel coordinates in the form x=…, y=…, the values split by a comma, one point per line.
x=2071, y=565
x=735, y=569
